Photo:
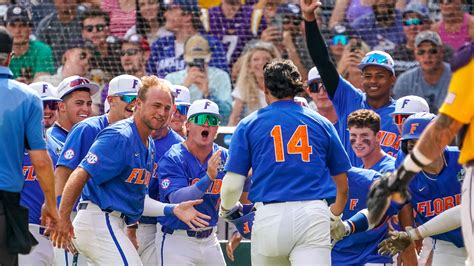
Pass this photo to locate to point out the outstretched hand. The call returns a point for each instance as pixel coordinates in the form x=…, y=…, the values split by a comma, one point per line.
x=395, y=243
x=308, y=7
x=187, y=214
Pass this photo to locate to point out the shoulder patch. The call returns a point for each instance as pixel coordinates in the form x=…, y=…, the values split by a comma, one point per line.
x=91, y=158
x=69, y=154
x=165, y=183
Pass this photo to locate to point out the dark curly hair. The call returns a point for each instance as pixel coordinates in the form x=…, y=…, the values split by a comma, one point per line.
x=282, y=78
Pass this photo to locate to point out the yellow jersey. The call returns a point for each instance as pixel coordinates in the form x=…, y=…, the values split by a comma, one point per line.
x=459, y=105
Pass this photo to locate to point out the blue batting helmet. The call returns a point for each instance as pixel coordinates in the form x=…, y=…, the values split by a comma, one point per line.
x=415, y=124
x=244, y=224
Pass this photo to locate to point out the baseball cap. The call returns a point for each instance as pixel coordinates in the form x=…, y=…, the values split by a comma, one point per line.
x=183, y=97
x=410, y=104
x=378, y=58
x=46, y=91
x=290, y=9
x=139, y=40
x=73, y=83
x=415, y=7
x=313, y=74
x=197, y=47
x=17, y=13
x=124, y=85
x=188, y=6
x=301, y=101
x=203, y=106
x=429, y=36
x=6, y=41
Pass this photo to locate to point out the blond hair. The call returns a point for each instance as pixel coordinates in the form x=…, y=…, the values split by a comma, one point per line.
x=152, y=81
x=246, y=80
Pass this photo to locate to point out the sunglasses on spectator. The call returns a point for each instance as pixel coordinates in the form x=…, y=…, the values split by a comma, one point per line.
x=340, y=39
x=52, y=105
x=400, y=118
x=316, y=86
x=128, y=98
x=413, y=21
x=295, y=20
x=98, y=27
x=182, y=109
x=429, y=51
x=129, y=52
x=201, y=119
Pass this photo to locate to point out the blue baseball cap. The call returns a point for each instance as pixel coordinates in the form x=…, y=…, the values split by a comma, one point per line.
x=378, y=58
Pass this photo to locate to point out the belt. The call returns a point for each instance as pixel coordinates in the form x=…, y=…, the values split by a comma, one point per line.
x=89, y=205
x=190, y=233
x=148, y=220
x=272, y=202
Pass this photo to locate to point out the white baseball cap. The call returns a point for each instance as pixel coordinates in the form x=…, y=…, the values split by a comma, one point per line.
x=73, y=83
x=124, y=85
x=313, y=74
x=203, y=106
x=46, y=91
x=410, y=104
x=301, y=101
x=183, y=97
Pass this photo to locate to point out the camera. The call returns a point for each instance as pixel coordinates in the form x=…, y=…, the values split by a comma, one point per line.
x=199, y=63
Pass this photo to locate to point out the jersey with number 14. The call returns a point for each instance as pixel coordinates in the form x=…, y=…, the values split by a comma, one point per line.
x=289, y=148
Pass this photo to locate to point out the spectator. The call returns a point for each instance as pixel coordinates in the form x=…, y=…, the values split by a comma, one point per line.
x=95, y=30
x=149, y=21
x=456, y=27
x=122, y=15
x=431, y=79
x=230, y=23
x=21, y=119
x=382, y=29
x=320, y=99
x=167, y=53
x=248, y=93
x=60, y=29
x=204, y=81
x=339, y=36
x=134, y=54
x=32, y=58
x=75, y=61
x=415, y=20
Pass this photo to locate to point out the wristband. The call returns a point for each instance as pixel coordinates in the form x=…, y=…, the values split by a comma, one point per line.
x=169, y=209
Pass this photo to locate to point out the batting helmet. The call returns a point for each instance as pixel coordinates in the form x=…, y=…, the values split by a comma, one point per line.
x=414, y=126
x=244, y=224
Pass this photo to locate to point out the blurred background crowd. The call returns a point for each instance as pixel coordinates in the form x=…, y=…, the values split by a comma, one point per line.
x=217, y=48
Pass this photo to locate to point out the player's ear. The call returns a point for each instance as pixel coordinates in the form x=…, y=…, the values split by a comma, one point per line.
x=378, y=136
x=62, y=106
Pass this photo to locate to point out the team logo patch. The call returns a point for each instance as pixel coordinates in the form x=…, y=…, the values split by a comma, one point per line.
x=91, y=158
x=220, y=167
x=69, y=154
x=461, y=174
x=165, y=183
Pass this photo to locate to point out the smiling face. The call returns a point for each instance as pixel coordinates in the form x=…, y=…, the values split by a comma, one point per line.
x=155, y=109
x=177, y=121
x=201, y=135
x=77, y=106
x=121, y=108
x=95, y=29
x=49, y=115
x=149, y=9
x=258, y=59
x=364, y=141
x=377, y=82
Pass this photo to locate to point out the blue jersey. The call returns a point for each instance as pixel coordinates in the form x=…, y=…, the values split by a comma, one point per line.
x=80, y=139
x=360, y=248
x=433, y=194
x=386, y=164
x=55, y=136
x=349, y=99
x=120, y=166
x=163, y=59
x=21, y=121
x=32, y=196
x=292, y=151
x=161, y=146
x=178, y=168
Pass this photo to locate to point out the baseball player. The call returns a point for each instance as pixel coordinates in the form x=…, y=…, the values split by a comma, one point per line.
x=453, y=117
x=289, y=149
x=149, y=230
x=183, y=101
x=32, y=196
x=364, y=134
x=113, y=177
x=76, y=105
x=406, y=106
x=191, y=170
x=378, y=77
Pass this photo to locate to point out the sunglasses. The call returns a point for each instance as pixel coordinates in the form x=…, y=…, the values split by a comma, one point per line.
x=295, y=20
x=128, y=98
x=316, y=86
x=399, y=119
x=201, y=119
x=98, y=27
x=375, y=58
x=182, y=109
x=429, y=51
x=340, y=39
x=129, y=52
x=413, y=21
x=52, y=105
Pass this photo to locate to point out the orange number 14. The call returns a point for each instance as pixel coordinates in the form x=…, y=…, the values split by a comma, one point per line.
x=298, y=144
